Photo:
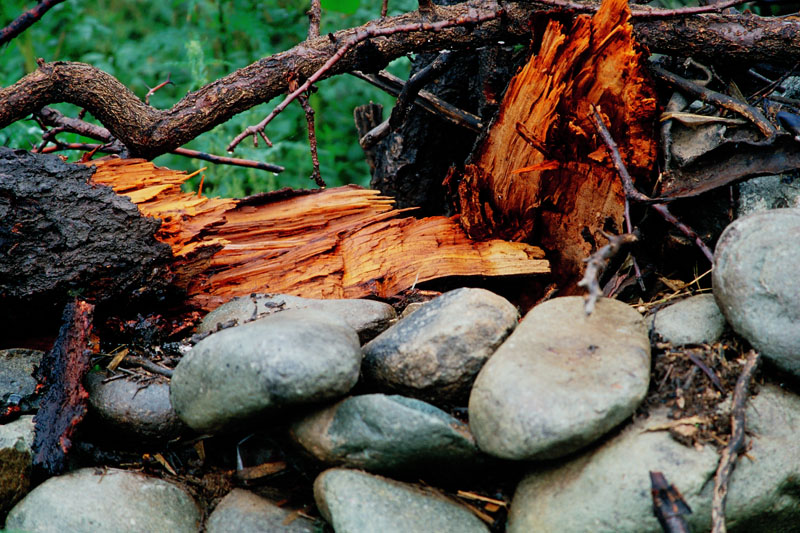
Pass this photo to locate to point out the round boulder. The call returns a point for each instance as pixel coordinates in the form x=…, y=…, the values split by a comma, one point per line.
x=757, y=283
x=561, y=380
x=292, y=357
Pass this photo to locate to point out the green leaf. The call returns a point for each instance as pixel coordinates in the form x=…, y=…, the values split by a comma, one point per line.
x=342, y=6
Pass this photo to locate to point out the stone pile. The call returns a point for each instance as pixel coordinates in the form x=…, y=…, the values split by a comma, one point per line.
x=371, y=398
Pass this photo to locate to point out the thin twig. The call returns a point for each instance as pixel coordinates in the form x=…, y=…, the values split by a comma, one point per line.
x=312, y=137
x=727, y=460
x=472, y=17
x=428, y=101
x=632, y=193
x=406, y=99
x=152, y=91
x=645, y=13
x=26, y=20
x=597, y=262
x=668, y=504
x=749, y=112
x=313, y=19
x=384, y=8
x=147, y=364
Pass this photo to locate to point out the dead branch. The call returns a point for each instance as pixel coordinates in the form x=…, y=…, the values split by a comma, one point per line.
x=312, y=137
x=431, y=103
x=149, y=132
x=668, y=504
x=363, y=34
x=152, y=91
x=596, y=264
x=643, y=12
x=26, y=20
x=749, y=112
x=314, y=14
x=406, y=99
x=633, y=194
x=727, y=460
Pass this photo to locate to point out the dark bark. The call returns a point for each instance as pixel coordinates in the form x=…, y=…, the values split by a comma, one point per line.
x=149, y=132
x=60, y=234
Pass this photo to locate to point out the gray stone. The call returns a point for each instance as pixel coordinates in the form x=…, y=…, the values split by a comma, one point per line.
x=97, y=499
x=768, y=192
x=607, y=489
x=561, y=380
x=357, y=502
x=16, y=369
x=757, y=283
x=695, y=320
x=16, y=457
x=241, y=511
x=435, y=353
x=294, y=357
x=132, y=409
x=367, y=317
x=386, y=433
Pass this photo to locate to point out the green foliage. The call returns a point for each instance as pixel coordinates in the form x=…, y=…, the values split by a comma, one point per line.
x=342, y=6
x=196, y=41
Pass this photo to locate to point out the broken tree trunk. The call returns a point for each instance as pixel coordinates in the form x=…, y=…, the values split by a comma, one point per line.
x=345, y=242
x=541, y=175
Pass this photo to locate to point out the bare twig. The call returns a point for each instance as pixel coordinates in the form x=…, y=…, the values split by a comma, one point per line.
x=312, y=137
x=668, y=504
x=384, y=8
x=363, y=34
x=727, y=460
x=26, y=20
x=152, y=91
x=425, y=100
x=147, y=364
x=749, y=112
x=632, y=193
x=406, y=98
x=313, y=19
x=597, y=262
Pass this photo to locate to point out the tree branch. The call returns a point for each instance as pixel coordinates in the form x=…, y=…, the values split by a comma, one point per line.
x=26, y=20
x=149, y=132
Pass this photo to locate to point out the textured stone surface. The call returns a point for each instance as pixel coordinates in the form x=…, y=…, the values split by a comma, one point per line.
x=293, y=357
x=757, y=283
x=367, y=317
x=241, y=511
x=561, y=380
x=16, y=439
x=133, y=409
x=386, y=433
x=435, y=353
x=357, y=502
x=695, y=320
x=768, y=192
x=16, y=367
x=612, y=485
x=102, y=500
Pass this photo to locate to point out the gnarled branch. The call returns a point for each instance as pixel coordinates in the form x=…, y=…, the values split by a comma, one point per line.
x=148, y=132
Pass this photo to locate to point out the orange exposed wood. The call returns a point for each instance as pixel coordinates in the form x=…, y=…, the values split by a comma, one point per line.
x=542, y=175
x=345, y=242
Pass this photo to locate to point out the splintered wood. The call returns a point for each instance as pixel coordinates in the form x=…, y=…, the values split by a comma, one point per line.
x=345, y=242
x=542, y=175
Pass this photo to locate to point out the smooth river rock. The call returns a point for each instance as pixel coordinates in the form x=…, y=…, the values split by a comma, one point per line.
x=561, y=380
x=384, y=433
x=757, y=283
x=16, y=459
x=695, y=320
x=289, y=358
x=607, y=489
x=367, y=317
x=357, y=502
x=16, y=380
x=435, y=353
x=131, y=409
x=241, y=511
x=103, y=500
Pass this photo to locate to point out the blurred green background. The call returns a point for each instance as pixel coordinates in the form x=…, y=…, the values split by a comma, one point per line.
x=198, y=41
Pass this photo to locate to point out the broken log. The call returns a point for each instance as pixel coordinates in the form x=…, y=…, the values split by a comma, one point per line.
x=541, y=175
x=345, y=242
